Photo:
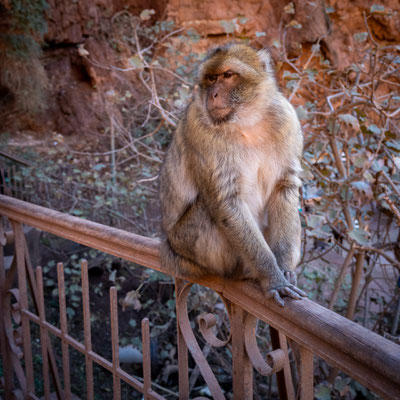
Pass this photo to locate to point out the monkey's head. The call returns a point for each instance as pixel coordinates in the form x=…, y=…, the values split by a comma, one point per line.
x=232, y=78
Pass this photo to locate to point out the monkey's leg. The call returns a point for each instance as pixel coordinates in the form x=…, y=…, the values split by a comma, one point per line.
x=172, y=261
x=196, y=239
x=239, y=226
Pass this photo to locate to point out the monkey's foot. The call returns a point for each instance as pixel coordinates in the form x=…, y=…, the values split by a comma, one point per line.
x=289, y=291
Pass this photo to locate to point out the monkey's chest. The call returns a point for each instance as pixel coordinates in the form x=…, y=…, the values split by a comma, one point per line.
x=258, y=179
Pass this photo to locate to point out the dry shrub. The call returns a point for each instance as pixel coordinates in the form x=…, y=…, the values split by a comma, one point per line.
x=22, y=73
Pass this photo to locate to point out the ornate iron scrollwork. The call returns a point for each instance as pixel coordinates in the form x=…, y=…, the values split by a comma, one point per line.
x=275, y=360
x=12, y=314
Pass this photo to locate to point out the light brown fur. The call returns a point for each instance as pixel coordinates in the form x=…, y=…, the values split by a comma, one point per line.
x=229, y=184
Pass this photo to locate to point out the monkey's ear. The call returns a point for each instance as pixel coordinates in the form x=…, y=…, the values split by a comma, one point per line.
x=266, y=60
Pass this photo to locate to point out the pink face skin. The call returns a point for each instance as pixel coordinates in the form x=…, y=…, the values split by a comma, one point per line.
x=219, y=87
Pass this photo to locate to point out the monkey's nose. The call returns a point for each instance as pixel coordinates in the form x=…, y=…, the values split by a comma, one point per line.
x=215, y=95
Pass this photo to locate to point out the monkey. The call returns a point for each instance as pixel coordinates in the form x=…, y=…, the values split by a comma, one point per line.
x=229, y=185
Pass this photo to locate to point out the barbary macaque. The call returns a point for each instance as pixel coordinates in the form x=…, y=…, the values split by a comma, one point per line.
x=229, y=186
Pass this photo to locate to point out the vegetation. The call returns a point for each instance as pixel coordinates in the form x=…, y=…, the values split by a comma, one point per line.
x=350, y=197
x=21, y=69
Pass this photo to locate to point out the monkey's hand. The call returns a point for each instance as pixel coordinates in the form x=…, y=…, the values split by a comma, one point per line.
x=290, y=276
x=284, y=288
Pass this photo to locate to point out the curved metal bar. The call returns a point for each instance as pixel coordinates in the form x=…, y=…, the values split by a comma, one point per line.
x=193, y=346
x=12, y=311
x=276, y=359
x=14, y=339
x=18, y=395
x=207, y=321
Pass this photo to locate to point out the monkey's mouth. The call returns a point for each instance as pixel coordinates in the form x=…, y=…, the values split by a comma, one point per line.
x=220, y=114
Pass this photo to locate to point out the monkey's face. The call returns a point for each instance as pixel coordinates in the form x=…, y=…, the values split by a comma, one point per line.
x=228, y=80
x=219, y=95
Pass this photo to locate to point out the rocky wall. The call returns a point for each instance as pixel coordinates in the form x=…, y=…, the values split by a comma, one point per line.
x=77, y=85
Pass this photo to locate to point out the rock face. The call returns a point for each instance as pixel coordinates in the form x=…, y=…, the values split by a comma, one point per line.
x=77, y=84
x=335, y=22
x=72, y=22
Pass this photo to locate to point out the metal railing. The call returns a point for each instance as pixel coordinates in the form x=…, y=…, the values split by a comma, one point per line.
x=311, y=329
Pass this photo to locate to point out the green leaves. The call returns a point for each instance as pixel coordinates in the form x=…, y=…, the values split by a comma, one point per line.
x=362, y=186
x=359, y=160
x=228, y=26
x=360, y=236
x=77, y=212
x=99, y=167
x=397, y=162
x=377, y=9
x=374, y=129
x=136, y=62
x=394, y=146
x=301, y=113
x=233, y=25
x=312, y=73
x=289, y=9
x=323, y=392
x=133, y=323
x=146, y=14
x=348, y=119
x=317, y=227
x=292, y=75
x=360, y=37
x=315, y=221
x=294, y=24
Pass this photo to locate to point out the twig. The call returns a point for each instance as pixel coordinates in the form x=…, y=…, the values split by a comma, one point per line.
x=369, y=31
x=391, y=260
x=389, y=180
x=351, y=307
x=315, y=49
x=340, y=278
x=394, y=209
x=154, y=178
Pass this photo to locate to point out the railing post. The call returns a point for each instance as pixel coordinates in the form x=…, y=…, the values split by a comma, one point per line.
x=306, y=374
x=87, y=330
x=5, y=350
x=44, y=338
x=182, y=351
x=64, y=331
x=284, y=377
x=115, y=343
x=23, y=293
x=242, y=373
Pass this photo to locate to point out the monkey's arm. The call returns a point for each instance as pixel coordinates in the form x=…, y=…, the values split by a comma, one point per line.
x=283, y=233
x=234, y=218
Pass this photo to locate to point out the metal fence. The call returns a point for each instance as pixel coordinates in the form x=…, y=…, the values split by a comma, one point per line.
x=11, y=181
x=311, y=329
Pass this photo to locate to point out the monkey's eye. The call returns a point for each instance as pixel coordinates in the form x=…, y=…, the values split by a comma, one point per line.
x=212, y=78
x=228, y=74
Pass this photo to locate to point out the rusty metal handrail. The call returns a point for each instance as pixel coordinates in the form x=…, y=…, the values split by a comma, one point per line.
x=367, y=357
